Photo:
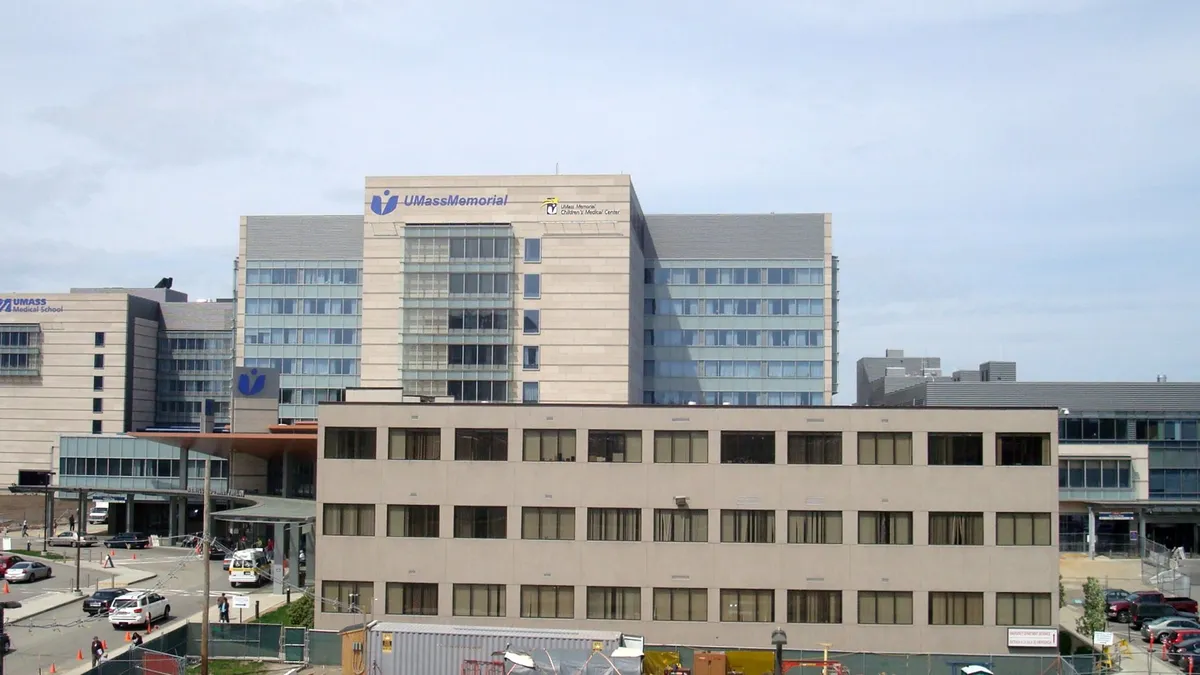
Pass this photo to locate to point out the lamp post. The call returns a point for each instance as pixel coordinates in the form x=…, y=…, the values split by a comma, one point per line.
x=779, y=639
x=7, y=604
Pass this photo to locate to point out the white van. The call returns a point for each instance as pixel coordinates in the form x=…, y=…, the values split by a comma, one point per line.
x=249, y=567
x=99, y=514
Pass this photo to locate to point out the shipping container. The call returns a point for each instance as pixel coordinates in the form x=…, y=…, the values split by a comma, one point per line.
x=432, y=649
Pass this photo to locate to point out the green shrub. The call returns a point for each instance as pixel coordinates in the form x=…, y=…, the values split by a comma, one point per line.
x=300, y=612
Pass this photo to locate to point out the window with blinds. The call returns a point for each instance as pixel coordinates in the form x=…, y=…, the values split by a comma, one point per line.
x=814, y=527
x=814, y=447
x=747, y=526
x=747, y=605
x=614, y=602
x=1022, y=449
x=411, y=599
x=814, y=606
x=413, y=520
x=348, y=520
x=549, y=445
x=621, y=447
x=885, y=448
x=547, y=602
x=955, y=449
x=479, y=600
x=480, y=522
x=481, y=445
x=885, y=607
x=415, y=444
x=681, y=447
x=681, y=525
x=610, y=524
x=955, y=529
x=955, y=609
x=1022, y=609
x=548, y=523
x=347, y=597
x=885, y=527
x=747, y=447
x=1023, y=529
x=681, y=604
x=349, y=443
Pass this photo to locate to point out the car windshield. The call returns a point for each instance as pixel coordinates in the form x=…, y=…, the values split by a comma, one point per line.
x=128, y=602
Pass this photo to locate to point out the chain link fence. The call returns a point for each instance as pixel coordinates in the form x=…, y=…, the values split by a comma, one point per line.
x=659, y=660
x=1165, y=569
x=142, y=661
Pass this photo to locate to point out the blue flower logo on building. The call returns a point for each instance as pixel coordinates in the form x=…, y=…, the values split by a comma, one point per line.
x=251, y=383
x=381, y=208
x=5, y=304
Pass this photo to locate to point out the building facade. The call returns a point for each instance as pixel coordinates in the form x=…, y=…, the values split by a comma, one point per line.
x=909, y=530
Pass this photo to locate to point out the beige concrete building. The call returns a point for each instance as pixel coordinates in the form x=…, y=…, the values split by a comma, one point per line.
x=874, y=529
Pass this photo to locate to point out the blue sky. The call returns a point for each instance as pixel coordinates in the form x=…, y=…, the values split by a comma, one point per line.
x=1010, y=179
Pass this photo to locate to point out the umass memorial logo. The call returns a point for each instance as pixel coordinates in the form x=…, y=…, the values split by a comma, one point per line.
x=384, y=204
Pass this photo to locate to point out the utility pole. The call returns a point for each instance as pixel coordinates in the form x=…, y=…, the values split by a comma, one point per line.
x=206, y=535
x=78, y=540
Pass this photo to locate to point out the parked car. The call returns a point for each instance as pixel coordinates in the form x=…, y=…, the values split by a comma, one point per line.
x=1157, y=629
x=1112, y=595
x=1173, y=636
x=74, y=539
x=128, y=540
x=138, y=608
x=8, y=560
x=27, y=571
x=101, y=601
x=1146, y=612
x=1176, y=651
x=1122, y=610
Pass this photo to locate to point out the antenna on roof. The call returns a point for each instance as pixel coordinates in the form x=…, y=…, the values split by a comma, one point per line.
x=556, y=168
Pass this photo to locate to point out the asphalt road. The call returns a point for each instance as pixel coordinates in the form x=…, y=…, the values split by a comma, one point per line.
x=56, y=636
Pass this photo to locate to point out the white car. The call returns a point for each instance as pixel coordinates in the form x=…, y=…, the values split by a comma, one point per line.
x=138, y=608
x=27, y=571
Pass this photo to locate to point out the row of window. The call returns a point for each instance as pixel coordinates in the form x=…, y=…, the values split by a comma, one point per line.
x=674, y=337
x=20, y=335
x=219, y=408
x=303, y=336
x=307, y=366
x=313, y=396
x=1096, y=474
x=736, y=276
x=137, y=468
x=478, y=390
x=19, y=361
x=480, y=248
x=770, y=398
x=736, y=605
x=303, y=277
x=689, y=447
x=221, y=386
x=194, y=365
x=206, y=344
x=748, y=307
x=337, y=306
x=737, y=526
x=1121, y=429
x=493, y=320
x=721, y=368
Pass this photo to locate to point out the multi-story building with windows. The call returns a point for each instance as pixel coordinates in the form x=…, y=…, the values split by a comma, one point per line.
x=874, y=529
x=195, y=363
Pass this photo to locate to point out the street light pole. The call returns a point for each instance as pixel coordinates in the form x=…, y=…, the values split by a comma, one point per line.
x=779, y=639
x=78, y=541
x=206, y=497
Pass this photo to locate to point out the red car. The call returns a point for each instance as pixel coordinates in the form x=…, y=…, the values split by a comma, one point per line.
x=8, y=560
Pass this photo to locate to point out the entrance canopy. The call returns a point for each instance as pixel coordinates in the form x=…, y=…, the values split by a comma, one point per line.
x=281, y=438
x=271, y=510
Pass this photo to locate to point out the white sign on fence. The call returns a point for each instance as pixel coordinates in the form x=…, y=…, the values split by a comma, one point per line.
x=1103, y=638
x=241, y=602
x=1033, y=637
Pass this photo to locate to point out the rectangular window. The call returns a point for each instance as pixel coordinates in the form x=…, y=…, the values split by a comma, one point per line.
x=97, y=405
x=413, y=520
x=348, y=520
x=681, y=525
x=814, y=447
x=747, y=605
x=548, y=523
x=613, y=524
x=681, y=447
x=97, y=427
x=814, y=607
x=531, y=323
x=747, y=526
x=747, y=447
x=98, y=361
x=98, y=383
x=614, y=603
x=530, y=392
x=532, y=288
x=530, y=358
x=814, y=527
x=1023, y=529
x=955, y=529
x=347, y=597
x=547, y=602
x=549, y=445
x=1022, y=609
x=885, y=448
x=481, y=445
x=681, y=604
x=480, y=522
x=411, y=599
x=621, y=447
x=533, y=250
x=479, y=600
x=99, y=339
x=885, y=527
x=417, y=444
x=349, y=443
x=1023, y=449
x=885, y=607
x=955, y=609
x=955, y=449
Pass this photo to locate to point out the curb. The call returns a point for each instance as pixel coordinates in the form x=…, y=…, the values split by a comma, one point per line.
x=15, y=615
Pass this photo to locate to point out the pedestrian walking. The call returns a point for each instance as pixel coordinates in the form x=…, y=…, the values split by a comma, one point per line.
x=223, y=609
x=24, y=528
x=97, y=650
x=72, y=521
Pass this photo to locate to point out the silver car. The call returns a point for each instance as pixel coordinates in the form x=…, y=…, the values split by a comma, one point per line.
x=73, y=539
x=27, y=571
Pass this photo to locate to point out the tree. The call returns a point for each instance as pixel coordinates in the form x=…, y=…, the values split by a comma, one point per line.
x=1094, y=618
x=300, y=612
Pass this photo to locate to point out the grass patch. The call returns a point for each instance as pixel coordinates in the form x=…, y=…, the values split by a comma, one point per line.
x=230, y=667
x=47, y=555
x=278, y=615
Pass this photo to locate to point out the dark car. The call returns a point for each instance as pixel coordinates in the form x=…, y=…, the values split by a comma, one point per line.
x=1146, y=612
x=101, y=601
x=1181, y=649
x=128, y=540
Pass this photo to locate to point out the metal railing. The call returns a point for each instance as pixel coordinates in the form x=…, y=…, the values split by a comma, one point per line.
x=1111, y=547
x=1161, y=569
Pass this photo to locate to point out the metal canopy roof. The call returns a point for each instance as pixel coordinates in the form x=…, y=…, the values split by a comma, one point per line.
x=257, y=509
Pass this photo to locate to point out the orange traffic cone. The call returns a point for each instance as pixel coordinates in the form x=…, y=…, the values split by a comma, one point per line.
x=134, y=556
x=79, y=655
x=128, y=637
x=6, y=587
x=53, y=669
x=104, y=644
x=149, y=627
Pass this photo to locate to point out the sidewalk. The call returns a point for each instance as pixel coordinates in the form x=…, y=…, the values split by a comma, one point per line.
x=124, y=576
x=1142, y=660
